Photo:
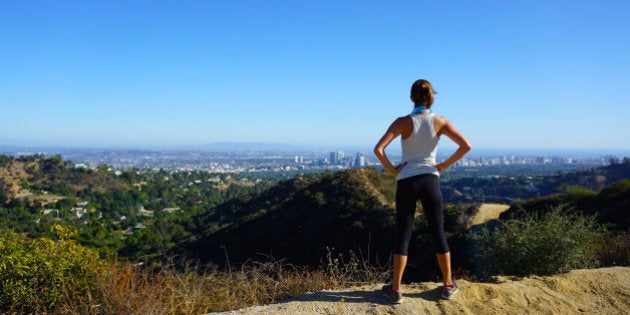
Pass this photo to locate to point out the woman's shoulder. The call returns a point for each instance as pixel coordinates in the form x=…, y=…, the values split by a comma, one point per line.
x=403, y=119
x=439, y=121
x=439, y=118
x=404, y=124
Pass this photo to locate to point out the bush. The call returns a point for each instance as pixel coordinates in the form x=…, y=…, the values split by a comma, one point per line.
x=551, y=242
x=616, y=250
x=39, y=275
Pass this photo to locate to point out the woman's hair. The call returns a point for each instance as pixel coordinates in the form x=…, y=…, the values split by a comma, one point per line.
x=422, y=93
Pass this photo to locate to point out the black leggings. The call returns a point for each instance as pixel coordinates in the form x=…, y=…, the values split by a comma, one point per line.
x=425, y=187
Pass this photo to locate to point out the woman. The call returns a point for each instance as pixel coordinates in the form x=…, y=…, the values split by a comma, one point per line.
x=418, y=178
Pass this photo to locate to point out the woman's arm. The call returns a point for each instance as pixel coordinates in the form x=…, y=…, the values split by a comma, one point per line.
x=464, y=146
x=394, y=130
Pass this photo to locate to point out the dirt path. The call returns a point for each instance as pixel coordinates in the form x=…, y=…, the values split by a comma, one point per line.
x=488, y=211
x=597, y=291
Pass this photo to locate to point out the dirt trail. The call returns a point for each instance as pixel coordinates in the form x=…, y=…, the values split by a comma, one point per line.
x=488, y=211
x=596, y=291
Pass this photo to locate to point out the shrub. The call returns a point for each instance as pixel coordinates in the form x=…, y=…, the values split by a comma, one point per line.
x=41, y=274
x=543, y=244
x=616, y=250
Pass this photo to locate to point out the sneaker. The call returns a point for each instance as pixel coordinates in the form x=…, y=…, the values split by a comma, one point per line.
x=395, y=297
x=448, y=291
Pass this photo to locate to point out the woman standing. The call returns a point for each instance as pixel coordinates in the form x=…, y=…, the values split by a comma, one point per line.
x=418, y=178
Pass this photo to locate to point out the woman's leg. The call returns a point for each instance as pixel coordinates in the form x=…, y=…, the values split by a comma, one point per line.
x=406, y=199
x=444, y=261
x=431, y=198
x=400, y=261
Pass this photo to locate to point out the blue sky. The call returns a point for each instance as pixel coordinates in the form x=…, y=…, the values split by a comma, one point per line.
x=510, y=74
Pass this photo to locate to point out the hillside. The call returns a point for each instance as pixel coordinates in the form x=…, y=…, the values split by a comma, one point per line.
x=596, y=291
x=304, y=218
x=610, y=205
x=12, y=175
x=301, y=219
x=41, y=181
x=510, y=188
x=130, y=213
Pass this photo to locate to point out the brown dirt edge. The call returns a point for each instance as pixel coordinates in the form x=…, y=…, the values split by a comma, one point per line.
x=592, y=291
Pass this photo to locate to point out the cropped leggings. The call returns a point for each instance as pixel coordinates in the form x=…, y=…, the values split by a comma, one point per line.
x=425, y=187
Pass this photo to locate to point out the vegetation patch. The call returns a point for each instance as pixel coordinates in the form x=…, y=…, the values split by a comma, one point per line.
x=42, y=274
x=546, y=243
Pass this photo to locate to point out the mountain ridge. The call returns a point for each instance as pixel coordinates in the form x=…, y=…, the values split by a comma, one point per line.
x=301, y=217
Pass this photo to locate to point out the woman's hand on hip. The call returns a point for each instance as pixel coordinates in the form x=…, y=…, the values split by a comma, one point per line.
x=441, y=167
x=399, y=167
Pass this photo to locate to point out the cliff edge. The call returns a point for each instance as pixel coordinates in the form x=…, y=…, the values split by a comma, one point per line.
x=593, y=291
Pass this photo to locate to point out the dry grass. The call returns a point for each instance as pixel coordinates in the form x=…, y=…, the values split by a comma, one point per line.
x=127, y=288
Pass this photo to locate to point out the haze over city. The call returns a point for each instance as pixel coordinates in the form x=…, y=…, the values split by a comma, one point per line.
x=530, y=75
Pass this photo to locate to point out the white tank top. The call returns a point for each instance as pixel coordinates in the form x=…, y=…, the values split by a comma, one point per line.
x=420, y=148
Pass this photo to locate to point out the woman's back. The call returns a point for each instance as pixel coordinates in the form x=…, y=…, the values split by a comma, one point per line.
x=420, y=147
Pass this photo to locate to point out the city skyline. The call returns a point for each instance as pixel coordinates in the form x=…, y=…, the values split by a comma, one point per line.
x=243, y=160
x=517, y=75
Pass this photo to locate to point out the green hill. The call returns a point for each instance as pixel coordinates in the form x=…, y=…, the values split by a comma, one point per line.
x=610, y=205
x=300, y=219
x=132, y=213
x=509, y=188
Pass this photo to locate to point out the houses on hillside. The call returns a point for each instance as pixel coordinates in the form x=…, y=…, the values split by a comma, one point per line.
x=82, y=208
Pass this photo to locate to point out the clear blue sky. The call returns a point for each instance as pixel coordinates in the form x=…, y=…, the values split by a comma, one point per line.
x=510, y=74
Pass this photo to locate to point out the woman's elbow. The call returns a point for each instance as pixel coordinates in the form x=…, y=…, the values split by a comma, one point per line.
x=378, y=151
x=466, y=147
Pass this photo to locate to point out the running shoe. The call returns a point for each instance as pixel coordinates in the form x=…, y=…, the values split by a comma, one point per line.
x=448, y=291
x=395, y=297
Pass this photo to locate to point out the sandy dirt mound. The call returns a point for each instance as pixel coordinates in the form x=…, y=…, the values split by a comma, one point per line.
x=597, y=291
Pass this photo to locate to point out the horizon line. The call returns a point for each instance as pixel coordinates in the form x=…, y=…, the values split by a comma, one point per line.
x=276, y=146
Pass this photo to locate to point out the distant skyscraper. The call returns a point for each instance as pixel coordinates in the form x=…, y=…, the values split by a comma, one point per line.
x=359, y=161
x=334, y=158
